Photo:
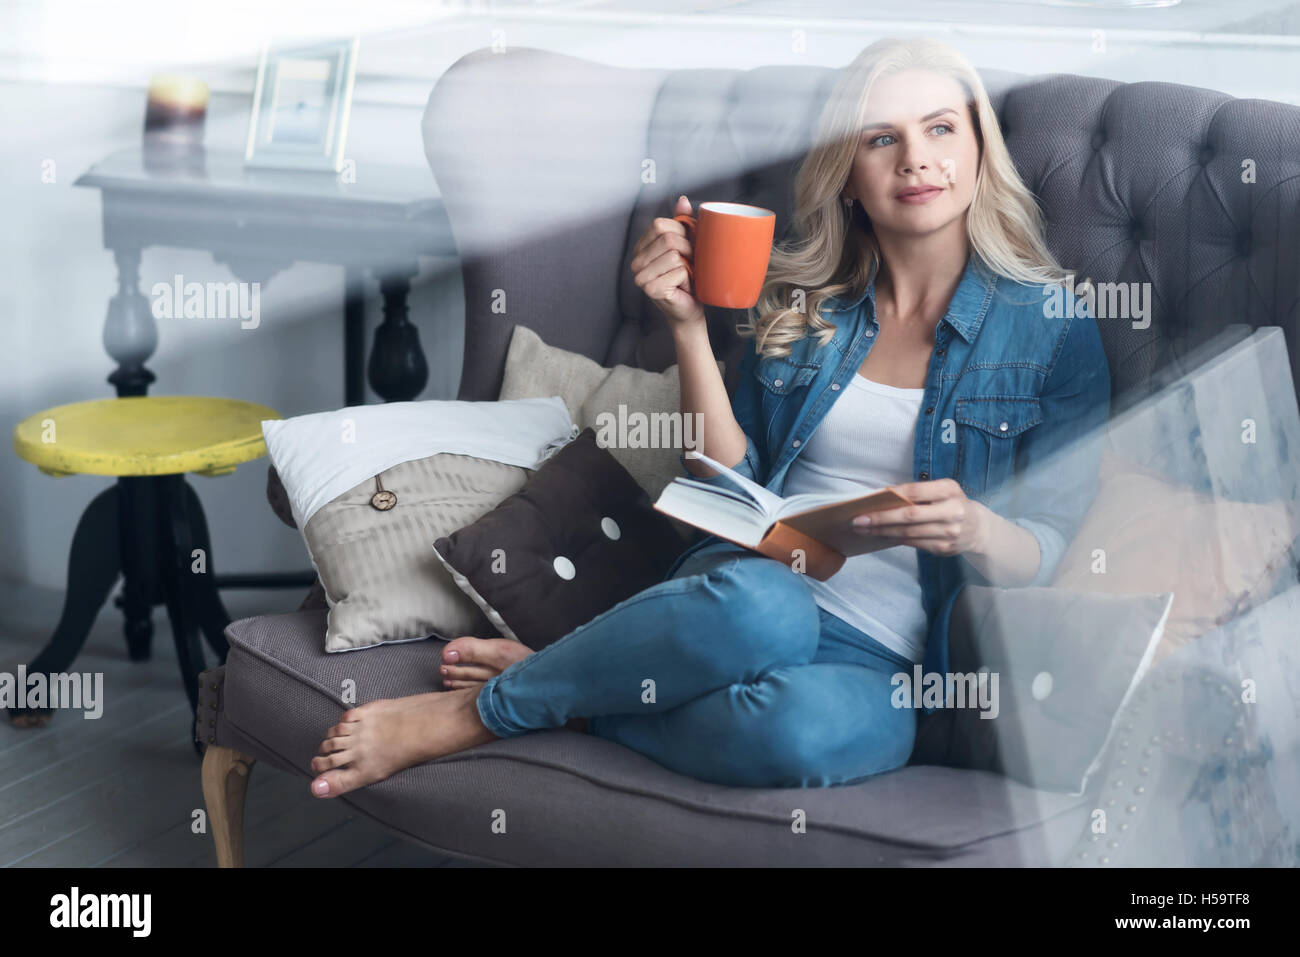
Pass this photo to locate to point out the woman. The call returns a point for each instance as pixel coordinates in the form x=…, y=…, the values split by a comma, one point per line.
x=914, y=333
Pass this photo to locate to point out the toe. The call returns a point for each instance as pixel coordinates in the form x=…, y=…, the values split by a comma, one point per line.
x=333, y=783
x=496, y=653
x=453, y=685
x=330, y=745
x=323, y=762
x=353, y=715
x=458, y=650
x=467, y=672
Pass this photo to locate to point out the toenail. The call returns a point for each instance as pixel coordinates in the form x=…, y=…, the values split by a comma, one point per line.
x=320, y=787
x=443, y=670
x=453, y=656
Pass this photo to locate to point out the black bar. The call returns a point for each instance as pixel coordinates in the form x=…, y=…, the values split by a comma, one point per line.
x=266, y=580
x=354, y=337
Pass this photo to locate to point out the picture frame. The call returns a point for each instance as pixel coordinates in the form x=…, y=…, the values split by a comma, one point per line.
x=301, y=104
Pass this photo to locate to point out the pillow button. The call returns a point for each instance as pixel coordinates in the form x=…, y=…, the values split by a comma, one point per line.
x=564, y=568
x=610, y=528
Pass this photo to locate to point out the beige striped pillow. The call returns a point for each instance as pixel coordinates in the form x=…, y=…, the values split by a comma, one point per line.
x=380, y=575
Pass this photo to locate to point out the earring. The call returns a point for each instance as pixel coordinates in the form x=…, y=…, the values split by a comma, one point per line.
x=848, y=201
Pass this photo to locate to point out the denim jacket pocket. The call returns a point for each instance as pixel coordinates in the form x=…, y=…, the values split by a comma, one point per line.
x=778, y=377
x=781, y=376
x=986, y=446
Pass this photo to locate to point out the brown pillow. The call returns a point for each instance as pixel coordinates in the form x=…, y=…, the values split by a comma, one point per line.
x=577, y=539
x=1218, y=557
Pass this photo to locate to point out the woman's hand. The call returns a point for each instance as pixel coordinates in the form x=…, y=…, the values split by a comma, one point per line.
x=943, y=520
x=658, y=263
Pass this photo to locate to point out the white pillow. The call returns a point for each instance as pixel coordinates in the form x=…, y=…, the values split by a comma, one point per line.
x=322, y=455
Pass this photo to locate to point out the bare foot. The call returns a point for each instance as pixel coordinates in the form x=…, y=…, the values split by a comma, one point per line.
x=380, y=738
x=467, y=662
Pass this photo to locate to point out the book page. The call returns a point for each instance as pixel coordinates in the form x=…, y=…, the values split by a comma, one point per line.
x=770, y=502
x=808, y=501
x=714, y=511
x=740, y=497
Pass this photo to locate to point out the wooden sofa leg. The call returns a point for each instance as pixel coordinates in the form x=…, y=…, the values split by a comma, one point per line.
x=225, y=782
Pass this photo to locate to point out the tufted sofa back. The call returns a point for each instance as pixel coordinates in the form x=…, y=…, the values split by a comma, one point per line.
x=551, y=166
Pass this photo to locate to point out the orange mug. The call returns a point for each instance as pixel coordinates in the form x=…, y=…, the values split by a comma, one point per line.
x=733, y=244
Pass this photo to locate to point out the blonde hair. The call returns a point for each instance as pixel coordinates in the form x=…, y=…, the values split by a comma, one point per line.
x=832, y=250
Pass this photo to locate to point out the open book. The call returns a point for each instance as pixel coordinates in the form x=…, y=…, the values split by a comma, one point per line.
x=812, y=532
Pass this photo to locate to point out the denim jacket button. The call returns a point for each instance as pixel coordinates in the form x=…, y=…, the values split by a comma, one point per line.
x=924, y=476
x=778, y=383
x=871, y=332
x=1002, y=427
x=835, y=387
x=796, y=443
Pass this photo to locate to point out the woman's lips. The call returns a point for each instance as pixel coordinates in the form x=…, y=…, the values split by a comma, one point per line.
x=919, y=199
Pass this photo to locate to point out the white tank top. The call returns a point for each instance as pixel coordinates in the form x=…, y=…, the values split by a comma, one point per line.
x=866, y=442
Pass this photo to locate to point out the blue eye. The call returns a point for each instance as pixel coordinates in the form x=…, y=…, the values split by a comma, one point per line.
x=875, y=141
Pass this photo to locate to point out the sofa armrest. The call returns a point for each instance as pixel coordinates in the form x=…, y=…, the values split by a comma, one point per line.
x=278, y=497
x=279, y=501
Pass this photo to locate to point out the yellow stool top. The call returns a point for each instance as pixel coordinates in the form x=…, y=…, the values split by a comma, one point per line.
x=144, y=435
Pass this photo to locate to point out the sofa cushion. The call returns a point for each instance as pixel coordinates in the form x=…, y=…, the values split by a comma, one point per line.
x=575, y=541
x=573, y=799
x=637, y=414
x=322, y=455
x=380, y=576
x=1054, y=669
x=371, y=488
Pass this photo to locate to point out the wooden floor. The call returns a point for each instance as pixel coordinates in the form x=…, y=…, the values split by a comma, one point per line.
x=122, y=790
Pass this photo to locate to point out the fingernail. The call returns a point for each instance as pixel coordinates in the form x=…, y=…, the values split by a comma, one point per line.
x=320, y=787
x=862, y=520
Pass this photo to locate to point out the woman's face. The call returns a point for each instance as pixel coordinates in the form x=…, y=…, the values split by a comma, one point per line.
x=916, y=132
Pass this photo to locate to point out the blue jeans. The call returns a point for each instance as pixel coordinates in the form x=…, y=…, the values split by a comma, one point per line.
x=727, y=671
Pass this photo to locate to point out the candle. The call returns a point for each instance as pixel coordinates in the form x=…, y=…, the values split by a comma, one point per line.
x=173, y=123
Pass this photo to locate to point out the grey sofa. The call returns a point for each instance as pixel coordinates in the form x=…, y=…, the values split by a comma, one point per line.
x=542, y=161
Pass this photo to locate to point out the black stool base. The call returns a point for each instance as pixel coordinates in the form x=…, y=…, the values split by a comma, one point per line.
x=152, y=533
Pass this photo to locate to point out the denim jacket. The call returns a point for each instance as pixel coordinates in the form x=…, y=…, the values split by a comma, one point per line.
x=1016, y=399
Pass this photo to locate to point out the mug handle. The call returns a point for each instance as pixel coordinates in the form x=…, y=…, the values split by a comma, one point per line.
x=690, y=221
